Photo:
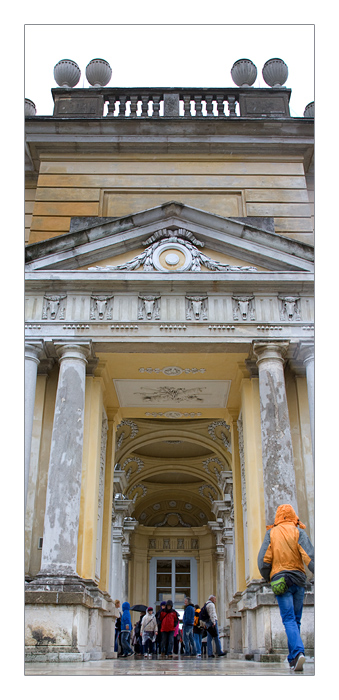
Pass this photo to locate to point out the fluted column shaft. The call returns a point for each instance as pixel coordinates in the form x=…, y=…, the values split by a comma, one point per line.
x=277, y=453
x=60, y=541
x=32, y=360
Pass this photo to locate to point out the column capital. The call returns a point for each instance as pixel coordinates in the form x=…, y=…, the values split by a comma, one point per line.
x=306, y=352
x=33, y=350
x=270, y=351
x=73, y=351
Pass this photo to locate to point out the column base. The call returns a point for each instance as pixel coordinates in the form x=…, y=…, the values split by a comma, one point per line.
x=256, y=629
x=67, y=619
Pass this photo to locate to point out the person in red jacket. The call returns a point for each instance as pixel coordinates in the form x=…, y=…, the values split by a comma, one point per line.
x=169, y=619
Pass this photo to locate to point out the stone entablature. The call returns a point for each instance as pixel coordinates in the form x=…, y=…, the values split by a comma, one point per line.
x=186, y=309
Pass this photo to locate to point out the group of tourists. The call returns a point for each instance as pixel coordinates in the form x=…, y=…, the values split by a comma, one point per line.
x=160, y=633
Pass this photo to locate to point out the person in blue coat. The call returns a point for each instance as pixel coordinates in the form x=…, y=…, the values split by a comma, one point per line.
x=126, y=628
x=187, y=628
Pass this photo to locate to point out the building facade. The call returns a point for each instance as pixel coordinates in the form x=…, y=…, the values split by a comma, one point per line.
x=169, y=358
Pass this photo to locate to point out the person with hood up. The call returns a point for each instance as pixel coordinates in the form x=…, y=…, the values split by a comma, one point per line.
x=212, y=629
x=126, y=627
x=284, y=552
x=169, y=619
x=187, y=628
x=148, y=631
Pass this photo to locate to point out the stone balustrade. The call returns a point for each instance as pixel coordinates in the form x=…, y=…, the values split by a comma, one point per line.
x=189, y=103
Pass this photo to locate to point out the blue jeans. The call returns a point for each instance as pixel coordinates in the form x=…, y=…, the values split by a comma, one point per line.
x=217, y=642
x=291, y=608
x=124, y=641
x=189, y=640
x=197, y=642
x=167, y=639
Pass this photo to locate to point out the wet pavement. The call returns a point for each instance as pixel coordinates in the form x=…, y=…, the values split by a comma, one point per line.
x=134, y=666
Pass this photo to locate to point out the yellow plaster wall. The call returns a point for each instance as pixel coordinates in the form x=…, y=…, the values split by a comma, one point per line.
x=87, y=536
x=239, y=562
x=120, y=186
x=256, y=526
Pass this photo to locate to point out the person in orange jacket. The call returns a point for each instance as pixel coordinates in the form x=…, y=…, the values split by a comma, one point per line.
x=285, y=551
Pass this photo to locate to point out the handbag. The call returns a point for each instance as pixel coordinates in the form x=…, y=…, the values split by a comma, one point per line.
x=212, y=630
x=279, y=586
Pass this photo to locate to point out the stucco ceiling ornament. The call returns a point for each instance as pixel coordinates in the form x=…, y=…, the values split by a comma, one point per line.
x=172, y=519
x=173, y=251
x=222, y=435
x=133, y=431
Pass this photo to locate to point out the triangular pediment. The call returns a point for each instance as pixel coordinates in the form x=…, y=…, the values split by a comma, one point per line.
x=161, y=237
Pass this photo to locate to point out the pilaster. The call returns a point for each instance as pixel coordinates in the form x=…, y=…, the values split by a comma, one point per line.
x=32, y=358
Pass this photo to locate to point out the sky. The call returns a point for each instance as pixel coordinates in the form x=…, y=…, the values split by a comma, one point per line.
x=168, y=55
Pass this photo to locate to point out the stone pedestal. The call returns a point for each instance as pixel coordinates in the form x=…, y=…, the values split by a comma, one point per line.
x=263, y=636
x=64, y=619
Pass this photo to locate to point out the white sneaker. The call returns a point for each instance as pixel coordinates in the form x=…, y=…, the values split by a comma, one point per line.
x=198, y=656
x=150, y=656
x=299, y=662
x=145, y=656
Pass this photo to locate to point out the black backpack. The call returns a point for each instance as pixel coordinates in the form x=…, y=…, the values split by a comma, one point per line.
x=203, y=615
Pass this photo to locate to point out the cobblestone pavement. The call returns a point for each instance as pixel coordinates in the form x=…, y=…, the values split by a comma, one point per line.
x=132, y=666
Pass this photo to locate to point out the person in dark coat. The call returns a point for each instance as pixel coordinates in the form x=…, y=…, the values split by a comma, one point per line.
x=187, y=628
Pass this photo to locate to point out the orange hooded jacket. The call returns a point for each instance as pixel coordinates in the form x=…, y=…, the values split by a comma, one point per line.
x=286, y=546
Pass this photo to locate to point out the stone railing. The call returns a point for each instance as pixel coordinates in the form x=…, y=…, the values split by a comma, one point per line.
x=191, y=103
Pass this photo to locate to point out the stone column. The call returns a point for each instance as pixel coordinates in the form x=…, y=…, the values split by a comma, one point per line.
x=60, y=540
x=121, y=509
x=129, y=526
x=32, y=359
x=308, y=357
x=277, y=453
x=217, y=528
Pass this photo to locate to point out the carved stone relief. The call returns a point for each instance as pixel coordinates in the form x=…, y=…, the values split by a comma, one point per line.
x=289, y=308
x=101, y=308
x=243, y=308
x=148, y=307
x=54, y=307
x=222, y=434
x=196, y=308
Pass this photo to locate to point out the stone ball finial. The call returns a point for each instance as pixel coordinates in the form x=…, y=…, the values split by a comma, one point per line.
x=98, y=72
x=30, y=108
x=309, y=110
x=275, y=72
x=244, y=72
x=67, y=73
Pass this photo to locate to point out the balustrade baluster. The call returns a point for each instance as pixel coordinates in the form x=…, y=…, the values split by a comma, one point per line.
x=198, y=105
x=156, y=105
x=122, y=107
x=209, y=105
x=220, y=104
x=231, y=105
x=144, y=105
x=187, y=105
x=111, y=106
x=134, y=105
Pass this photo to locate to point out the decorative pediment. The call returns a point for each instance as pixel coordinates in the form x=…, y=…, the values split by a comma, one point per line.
x=170, y=238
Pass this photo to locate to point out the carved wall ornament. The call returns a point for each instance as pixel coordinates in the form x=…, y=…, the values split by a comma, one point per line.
x=171, y=394
x=140, y=489
x=172, y=371
x=101, y=307
x=173, y=414
x=132, y=460
x=149, y=307
x=133, y=431
x=289, y=308
x=194, y=544
x=151, y=544
x=210, y=490
x=196, y=308
x=214, y=461
x=172, y=521
x=183, y=255
x=54, y=307
x=243, y=308
x=222, y=434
